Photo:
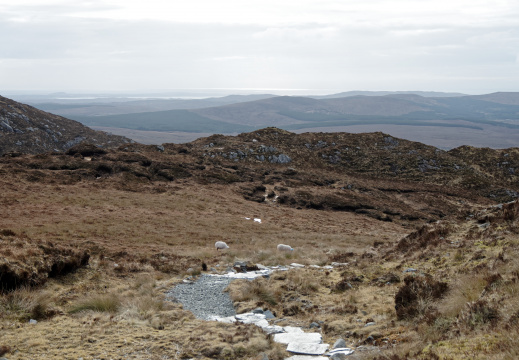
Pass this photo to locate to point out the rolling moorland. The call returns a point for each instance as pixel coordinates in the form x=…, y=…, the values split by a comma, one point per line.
x=490, y=120
x=92, y=238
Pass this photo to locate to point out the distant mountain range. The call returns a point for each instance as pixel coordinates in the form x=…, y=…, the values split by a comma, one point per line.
x=296, y=113
x=71, y=105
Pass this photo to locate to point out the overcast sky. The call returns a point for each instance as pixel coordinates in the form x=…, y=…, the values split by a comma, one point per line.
x=324, y=46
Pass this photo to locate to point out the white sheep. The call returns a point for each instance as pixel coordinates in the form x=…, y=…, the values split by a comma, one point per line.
x=282, y=247
x=220, y=245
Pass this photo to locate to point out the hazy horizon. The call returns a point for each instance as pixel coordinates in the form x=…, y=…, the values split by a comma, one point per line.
x=189, y=93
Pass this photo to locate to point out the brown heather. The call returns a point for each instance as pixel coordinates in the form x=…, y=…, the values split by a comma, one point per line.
x=90, y=244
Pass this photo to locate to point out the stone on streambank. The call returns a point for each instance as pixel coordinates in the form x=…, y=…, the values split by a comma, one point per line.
x=251, y=318
x=306, y=348
x=340, y=343
x=268, y=314
x=296, y=265
x=339, y=353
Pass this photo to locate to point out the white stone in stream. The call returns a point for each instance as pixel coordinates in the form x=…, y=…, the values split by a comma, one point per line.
x=273, y=329
x=307, y=338
x=227, y=320
x=339, y=264
x=296, y=265
x=307, y=348
x=246, y=275
x=345, y=351
x=306, y=357
x=293, y=329
x=250, y=318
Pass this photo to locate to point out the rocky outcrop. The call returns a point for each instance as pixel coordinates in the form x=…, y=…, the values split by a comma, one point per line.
x=27, y=130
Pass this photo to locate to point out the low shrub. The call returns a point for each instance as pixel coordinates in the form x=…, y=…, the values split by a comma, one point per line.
x=428, y=235
x=342, y=286
x=478, y=313
x=415, y=296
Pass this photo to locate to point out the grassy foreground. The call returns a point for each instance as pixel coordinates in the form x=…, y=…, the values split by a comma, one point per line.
x=461, y=302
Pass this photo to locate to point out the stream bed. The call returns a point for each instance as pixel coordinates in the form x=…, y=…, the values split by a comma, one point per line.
x=206, y=299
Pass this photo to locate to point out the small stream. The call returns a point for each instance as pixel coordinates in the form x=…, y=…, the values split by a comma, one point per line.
x=206, y=299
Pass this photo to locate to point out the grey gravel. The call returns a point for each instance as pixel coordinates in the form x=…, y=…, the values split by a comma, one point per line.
x=205, y=297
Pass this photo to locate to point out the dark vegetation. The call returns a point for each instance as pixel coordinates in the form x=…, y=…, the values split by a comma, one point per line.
x=410, y=298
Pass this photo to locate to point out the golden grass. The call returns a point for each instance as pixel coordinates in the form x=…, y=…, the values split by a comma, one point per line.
x=24, y=304
x=101, y=303
x=143, y=243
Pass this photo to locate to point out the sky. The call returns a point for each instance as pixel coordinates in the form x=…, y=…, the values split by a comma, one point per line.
x=318, y=47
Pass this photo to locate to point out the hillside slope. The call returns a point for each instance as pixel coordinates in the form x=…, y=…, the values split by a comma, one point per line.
x=25, y=129
x=371, y=174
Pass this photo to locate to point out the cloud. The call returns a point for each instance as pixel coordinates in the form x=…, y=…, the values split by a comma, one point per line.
x=300, y=33
x=228, y=58
x=373, y=44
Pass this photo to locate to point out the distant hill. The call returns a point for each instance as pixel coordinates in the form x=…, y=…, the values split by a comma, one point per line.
x=383, y=93
x=294, y=113
x=299, y=112
x=25, y=129
x=113, y=106
x=509, y=98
